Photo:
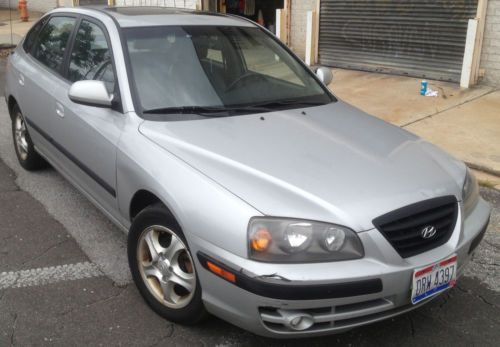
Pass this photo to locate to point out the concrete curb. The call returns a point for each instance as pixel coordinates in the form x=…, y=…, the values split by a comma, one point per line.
x=484, y=169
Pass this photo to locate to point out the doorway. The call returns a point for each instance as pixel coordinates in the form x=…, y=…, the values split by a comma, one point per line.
x=260, y=11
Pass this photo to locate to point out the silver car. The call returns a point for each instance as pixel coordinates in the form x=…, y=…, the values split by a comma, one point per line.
x=246, y=188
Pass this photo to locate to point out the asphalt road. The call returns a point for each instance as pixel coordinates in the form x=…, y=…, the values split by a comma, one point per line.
x=64, y=280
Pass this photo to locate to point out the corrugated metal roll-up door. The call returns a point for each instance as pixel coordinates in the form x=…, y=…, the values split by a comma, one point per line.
x=92, y=2
x=416, y=37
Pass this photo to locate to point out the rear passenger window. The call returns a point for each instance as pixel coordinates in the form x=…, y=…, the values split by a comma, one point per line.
x=53, y=40
x=91, y=57
x=33, y=34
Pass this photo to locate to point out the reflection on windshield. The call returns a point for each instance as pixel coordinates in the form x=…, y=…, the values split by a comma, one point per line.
x=194, y=66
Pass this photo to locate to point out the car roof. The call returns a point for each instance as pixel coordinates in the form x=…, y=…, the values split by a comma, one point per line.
x=141, y=16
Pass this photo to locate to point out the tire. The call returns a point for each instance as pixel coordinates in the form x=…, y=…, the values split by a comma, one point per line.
x=26, y=154
x=160, y=261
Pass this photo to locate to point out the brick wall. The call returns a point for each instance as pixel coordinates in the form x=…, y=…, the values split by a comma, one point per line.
x=170, y=3
x=490, y=54
x=33, y=5
x=299, y=25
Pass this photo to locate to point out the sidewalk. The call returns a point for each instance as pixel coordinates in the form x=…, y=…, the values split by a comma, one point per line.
x=464, y=122
x=15, y=27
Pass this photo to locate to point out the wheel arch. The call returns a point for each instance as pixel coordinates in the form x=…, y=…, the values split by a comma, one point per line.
x=144, y=198
x=11, y=103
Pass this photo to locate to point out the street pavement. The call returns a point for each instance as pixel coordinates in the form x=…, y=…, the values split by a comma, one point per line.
x=64, y=281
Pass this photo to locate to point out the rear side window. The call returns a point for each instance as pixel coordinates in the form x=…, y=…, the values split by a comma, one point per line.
x=52, y=42
x=33, y=34
x=91, y=56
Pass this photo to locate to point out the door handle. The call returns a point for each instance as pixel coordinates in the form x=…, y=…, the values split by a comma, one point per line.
x=21, y=80
x=59, y=109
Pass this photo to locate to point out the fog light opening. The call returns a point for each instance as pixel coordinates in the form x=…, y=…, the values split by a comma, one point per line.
x=296, y=320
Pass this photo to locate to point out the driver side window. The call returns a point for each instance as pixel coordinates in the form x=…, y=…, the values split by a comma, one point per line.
x=91, y=57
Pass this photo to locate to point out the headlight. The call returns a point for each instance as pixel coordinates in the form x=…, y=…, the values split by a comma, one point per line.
x=280, y=240
x=470, y=192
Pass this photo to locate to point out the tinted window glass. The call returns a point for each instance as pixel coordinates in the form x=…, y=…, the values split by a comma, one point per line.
x=33, y=34
x=91, y=58
x=53, y=40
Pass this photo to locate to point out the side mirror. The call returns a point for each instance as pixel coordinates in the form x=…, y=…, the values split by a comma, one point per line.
x=325, y=75
x=90, y=93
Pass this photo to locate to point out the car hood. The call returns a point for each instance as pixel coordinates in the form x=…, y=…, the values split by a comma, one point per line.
x=330, y=163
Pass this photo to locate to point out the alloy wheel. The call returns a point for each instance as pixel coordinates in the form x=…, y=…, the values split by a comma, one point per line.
x=166, y=267
x=20, y=134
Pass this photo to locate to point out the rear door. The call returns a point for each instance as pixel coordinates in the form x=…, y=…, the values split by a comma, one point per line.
x=40, y=71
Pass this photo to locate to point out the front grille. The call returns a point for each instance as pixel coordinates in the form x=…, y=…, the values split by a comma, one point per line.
x=403, y=227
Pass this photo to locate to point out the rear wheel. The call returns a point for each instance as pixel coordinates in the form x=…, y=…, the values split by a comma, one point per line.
x=26, y=154
x=163, y=268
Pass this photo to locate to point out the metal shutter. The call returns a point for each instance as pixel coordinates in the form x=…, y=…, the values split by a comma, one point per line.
x=92, y=2
x=420, y=38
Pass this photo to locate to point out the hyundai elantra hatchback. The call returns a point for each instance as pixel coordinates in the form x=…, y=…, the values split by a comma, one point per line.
x=247, y=189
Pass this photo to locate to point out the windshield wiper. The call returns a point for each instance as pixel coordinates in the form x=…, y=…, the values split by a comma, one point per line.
x=221, y=111
x=184, y=110
x=208, y=111
x=289, y=102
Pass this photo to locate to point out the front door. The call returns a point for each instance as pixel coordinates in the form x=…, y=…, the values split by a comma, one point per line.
x=89, y=135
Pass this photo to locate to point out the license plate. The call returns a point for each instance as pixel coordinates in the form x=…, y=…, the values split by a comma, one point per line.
x=433, y=279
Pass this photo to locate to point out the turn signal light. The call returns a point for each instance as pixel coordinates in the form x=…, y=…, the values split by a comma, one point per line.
x=221, y=272
x=261, y=240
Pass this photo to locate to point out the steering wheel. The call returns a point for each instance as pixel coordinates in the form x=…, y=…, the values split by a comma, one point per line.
x=92, y=73
x=245, y=77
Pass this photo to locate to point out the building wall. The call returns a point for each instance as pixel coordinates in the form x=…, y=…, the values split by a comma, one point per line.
x=299, y=25
x=42, y=5
x=170, y=3
x=33, y=5
x=490, y=54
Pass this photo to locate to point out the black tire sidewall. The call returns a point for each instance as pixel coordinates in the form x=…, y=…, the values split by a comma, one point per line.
x=33, y=160
x=158, y=215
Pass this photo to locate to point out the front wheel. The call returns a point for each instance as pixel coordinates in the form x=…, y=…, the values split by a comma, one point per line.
x=27, y=156
x=163, y=268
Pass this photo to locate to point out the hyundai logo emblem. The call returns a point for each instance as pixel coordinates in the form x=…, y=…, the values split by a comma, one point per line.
x=428, y=232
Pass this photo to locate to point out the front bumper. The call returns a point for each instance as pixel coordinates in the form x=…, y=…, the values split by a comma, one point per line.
x=336, y=296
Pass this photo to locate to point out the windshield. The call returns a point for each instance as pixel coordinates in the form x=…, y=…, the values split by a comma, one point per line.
x=192, y=69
